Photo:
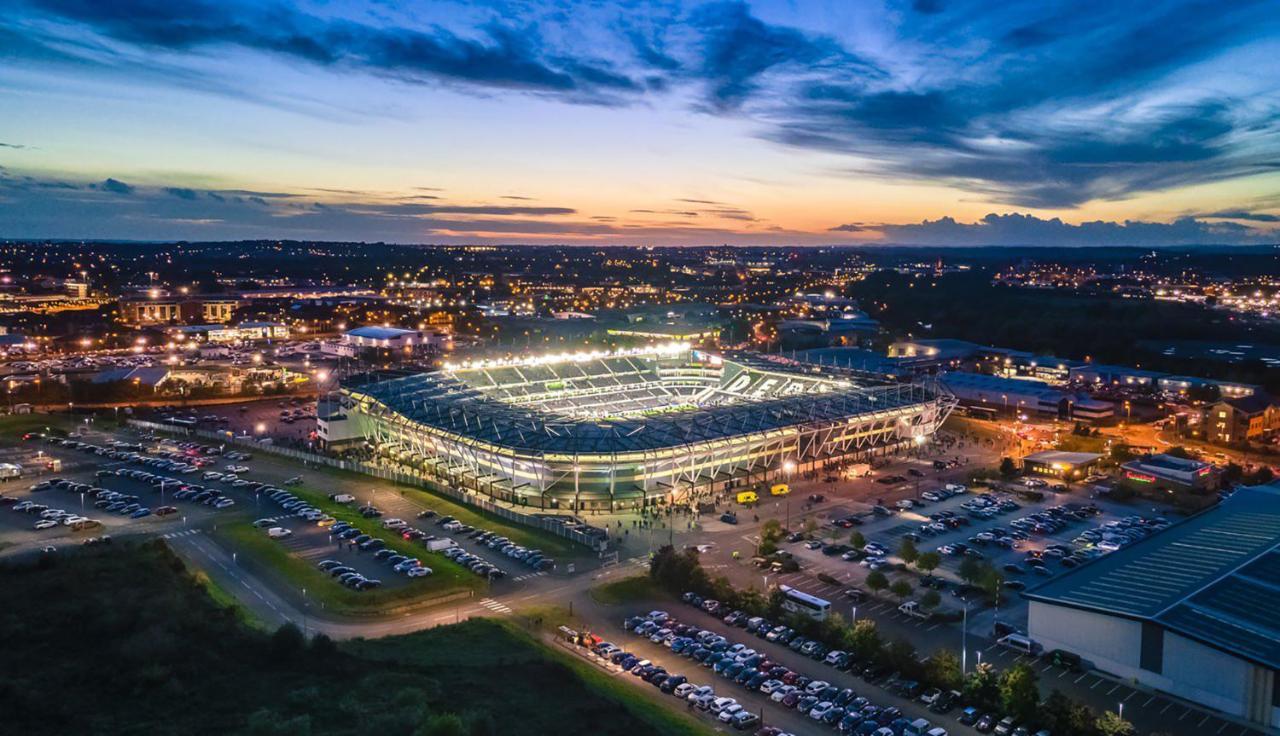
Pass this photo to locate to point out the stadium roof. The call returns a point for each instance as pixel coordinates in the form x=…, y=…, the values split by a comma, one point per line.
x=1214, y=578
x=444, y=402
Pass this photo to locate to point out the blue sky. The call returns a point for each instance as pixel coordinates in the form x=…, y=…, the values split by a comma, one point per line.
x=932, y=121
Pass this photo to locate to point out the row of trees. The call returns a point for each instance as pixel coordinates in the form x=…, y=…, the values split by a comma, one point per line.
x=1014, y=692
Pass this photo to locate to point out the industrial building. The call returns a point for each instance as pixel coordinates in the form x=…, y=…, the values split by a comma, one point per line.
x=1023, y=397
x=1190, y=611
x=622, y=429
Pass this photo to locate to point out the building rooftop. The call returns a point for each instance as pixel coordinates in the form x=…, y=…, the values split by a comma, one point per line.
x=1214, y=578
x=1169, y=462
x=380, y=333
x=1049, y=457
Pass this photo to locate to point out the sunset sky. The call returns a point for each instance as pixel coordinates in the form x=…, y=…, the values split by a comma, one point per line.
x=934, y=121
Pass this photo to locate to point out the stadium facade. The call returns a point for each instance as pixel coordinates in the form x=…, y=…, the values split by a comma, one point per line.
x=630, y=428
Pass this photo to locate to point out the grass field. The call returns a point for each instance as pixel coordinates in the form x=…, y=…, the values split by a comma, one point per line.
x=635, y=588
x=298, y=573
x=123, y=640
x=525, y=536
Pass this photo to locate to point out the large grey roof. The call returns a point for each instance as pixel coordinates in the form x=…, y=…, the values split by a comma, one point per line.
x=443, y=402
x=1214, y=578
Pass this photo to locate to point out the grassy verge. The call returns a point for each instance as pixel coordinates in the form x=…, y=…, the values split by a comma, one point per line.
x=225, y=600
x=525, y=536
x=482, y=648
x=635, y=588
x=180, y=664
x=298, y=573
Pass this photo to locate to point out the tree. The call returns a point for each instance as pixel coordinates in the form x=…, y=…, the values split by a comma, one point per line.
x=857, y=541
x=908, y=551
x=1111, y=724
x=943, y=669
x=901, y=589
x=443, y=724
x=1178, y=451
x=1019, y=693
x=810, y=526
x=990, y=580
x=931, y=599
x=901, y=656
x=287, y=641
x=876, y=581
x=982, y=688
x=970, y=570
x=1060, y=714
x=864, y=640
x=1008, y=468
x=928, y=562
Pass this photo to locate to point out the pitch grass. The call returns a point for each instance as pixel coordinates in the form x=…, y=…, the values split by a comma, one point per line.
x=124, y=640
x=626, y=590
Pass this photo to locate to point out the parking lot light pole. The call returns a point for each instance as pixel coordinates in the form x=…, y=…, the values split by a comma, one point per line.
x=964, y=641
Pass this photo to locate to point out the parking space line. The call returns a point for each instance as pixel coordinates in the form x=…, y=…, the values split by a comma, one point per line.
x=1166, y=707
x=1153, y=697
x=1130, y=695
x=1096, y=683
x=1112, y=690
x=1223, y=726
x=1081, y=677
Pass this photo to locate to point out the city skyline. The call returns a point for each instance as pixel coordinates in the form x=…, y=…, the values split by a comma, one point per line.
x=935, y=123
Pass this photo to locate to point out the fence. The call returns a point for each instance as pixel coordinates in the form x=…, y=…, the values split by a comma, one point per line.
x=550, y=524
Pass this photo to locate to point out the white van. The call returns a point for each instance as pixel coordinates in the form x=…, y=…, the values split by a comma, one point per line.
x=342, y=498
x=1020, y=644
x=278, y=532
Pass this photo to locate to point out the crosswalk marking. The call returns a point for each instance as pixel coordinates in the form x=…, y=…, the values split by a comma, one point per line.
x=494, y=606
x=183, y=533
x=529, y=576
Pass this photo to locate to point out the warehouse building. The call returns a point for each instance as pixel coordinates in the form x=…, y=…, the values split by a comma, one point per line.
x=1169, y=473
x=1190, y=611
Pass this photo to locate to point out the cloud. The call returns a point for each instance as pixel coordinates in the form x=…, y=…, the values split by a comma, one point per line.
x=495, y=56
x=1040, y=105
x=117, y=187
x=1028, y=230
x=849, y=227
x=182, y=192
x=1241, y=215
x=738, y=49
x=15, y=146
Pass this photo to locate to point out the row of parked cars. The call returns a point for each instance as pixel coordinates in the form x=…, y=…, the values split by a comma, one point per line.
x=841, y=709
x=179, y=490
x=51, y=518
x=533, y=558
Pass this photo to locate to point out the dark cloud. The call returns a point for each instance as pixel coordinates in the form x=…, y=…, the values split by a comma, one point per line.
x=116, y=186
x=497, y=56
x=1040, y=105
x=1241, y=215
x=849, y=227
x=738, y=48
x=182, y=192
x=1028, y=230
x=12, y=145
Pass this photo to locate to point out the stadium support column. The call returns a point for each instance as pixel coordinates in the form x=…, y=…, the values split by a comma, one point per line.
x=613, y=476
x=577, y=471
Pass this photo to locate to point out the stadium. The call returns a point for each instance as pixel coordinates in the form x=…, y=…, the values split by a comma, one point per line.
x=631, y=428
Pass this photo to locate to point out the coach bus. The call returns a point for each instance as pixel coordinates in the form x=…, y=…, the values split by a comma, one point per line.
x=798, y=601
